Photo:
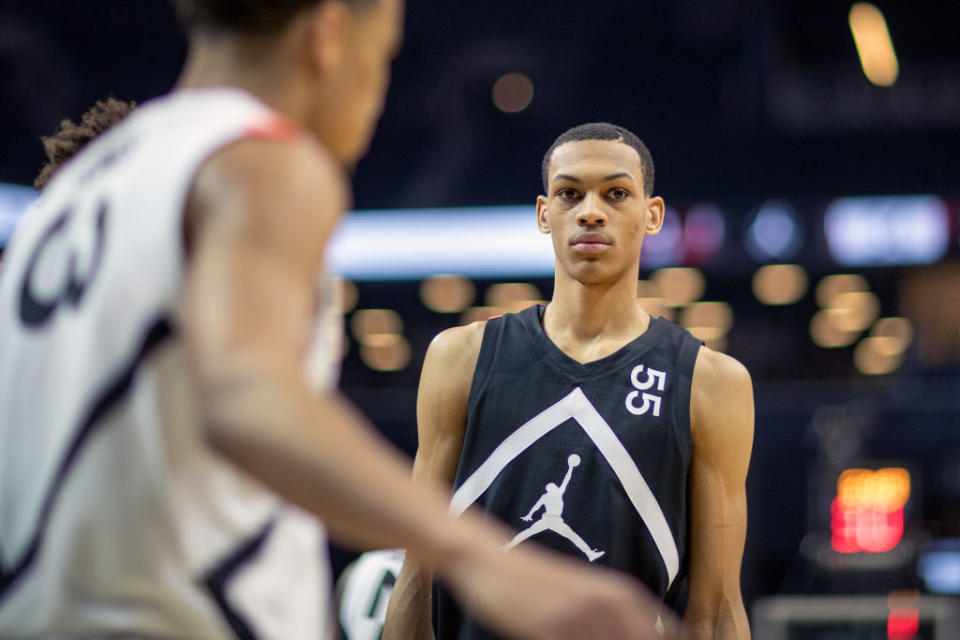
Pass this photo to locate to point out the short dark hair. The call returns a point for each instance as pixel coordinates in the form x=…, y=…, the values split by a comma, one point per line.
x=603, y=131
x=261, y=16
x=71, y=138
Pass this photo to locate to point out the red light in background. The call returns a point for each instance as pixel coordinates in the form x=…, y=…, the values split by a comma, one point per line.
x=867, y=513
x=903, y=624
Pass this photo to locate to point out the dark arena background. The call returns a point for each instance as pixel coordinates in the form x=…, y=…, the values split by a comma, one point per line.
x=809, y=153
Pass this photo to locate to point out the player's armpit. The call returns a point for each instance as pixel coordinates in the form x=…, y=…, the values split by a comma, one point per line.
x=721, y=418
x=445, y=381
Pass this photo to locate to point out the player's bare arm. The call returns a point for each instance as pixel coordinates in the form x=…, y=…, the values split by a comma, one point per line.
x=721, y=424
x=445, y=381
x=260, y=213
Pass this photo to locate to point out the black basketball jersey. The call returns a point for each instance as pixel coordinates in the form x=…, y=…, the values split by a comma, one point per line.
x=587, y=459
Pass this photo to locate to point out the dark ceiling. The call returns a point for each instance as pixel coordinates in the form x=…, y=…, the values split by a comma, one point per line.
x=734, y=97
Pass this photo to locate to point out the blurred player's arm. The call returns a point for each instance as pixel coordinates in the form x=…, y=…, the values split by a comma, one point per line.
x=721, y=419
x=259, y=216
x=441, y=422
x=257, y=219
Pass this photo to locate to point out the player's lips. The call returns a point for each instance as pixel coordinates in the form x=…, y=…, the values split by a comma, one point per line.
x=591, y=242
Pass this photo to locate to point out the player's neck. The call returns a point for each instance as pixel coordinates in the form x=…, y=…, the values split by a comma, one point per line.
x=260, y=68
x=585, y=313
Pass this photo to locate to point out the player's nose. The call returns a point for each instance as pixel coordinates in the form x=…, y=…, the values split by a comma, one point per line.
x=591, y=212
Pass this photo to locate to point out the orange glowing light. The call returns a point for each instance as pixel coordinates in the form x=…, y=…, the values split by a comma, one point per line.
x=867, y=513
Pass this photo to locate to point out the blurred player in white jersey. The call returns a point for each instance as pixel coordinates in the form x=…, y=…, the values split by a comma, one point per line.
x=168, y=439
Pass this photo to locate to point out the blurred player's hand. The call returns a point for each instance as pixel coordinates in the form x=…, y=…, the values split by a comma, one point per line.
x=539, y=595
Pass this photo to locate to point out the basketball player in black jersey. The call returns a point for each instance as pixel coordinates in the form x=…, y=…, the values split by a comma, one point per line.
x=650, y=431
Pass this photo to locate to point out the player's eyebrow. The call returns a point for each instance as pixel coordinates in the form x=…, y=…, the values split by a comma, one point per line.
x=563, y=176
x=615, y=176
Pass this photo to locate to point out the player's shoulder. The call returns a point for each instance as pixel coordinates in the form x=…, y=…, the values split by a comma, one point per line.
x=715, y=367
x=457, y=344
x=721, y=399
x=720, y=378
x=294, y=167
x=721, y=408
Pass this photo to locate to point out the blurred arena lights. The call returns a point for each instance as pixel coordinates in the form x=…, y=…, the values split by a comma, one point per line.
x=703, y=233
x=478, y=314
x=679, y=286
x=447, y=293
x=887, y=230
x=826, y=335
x=512, y=92
x=892, y=335
x=14, y=199
x=939, y=566
x=411, y=244
x=503, y=241
x=367, y=322
x=774, y=232
x=513, y=296
x=867, y=512
x=873, y=359
x=853, y=311
x=903, y=621
x=780, y=284
x=385, y=351
x=874, y=45
x=831, y=286
x=708, y=321
x=665, y=248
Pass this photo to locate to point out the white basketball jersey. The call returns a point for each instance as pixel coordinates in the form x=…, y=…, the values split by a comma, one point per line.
x=363, y=593
x=116, y=518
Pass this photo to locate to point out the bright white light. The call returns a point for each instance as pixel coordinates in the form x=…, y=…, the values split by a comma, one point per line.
x=481, y=242
x=14, y=200
x=887, y=230
x=940, y=570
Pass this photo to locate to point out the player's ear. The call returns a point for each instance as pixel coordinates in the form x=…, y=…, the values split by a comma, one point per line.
x=656, y=209
x=542, y=222
x=329, y=24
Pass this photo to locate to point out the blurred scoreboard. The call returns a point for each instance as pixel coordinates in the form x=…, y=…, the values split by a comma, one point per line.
x=831, y=617
x=859, y=517
x=867, y=513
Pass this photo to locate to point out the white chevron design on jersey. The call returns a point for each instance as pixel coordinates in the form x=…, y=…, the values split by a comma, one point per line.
x=576, y=405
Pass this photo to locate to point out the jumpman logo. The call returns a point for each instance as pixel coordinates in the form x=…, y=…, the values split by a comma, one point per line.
x=552, y=518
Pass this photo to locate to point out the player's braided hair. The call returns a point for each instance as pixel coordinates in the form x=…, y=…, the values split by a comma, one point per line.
x=244, y=15
x=71, y=137
x=603, y=131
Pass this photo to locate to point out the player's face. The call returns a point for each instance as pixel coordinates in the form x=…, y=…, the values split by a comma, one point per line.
x=357, y=87
x=596, y=210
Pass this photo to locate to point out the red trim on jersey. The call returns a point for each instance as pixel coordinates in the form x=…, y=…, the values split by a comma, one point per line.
x=276, y=127
x=499, y=315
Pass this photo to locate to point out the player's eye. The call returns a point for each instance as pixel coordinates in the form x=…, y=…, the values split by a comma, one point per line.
x=566, y=193
x=618, y=193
